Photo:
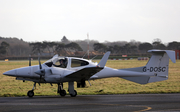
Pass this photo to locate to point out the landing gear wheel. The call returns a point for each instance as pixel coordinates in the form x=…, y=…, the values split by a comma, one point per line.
x=74, y=94
x=30, y=93
x=62, y=93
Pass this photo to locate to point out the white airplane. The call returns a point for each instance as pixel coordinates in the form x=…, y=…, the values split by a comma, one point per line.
x=69, y=69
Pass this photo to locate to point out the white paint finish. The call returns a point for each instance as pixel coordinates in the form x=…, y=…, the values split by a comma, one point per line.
x=159, y=60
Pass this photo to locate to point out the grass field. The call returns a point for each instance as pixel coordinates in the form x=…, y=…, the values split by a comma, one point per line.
x=11, y=87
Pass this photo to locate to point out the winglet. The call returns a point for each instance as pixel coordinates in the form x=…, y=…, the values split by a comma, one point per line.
x=104, y=59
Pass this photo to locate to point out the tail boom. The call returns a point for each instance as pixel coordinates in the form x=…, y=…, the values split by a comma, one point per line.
x=155, y=70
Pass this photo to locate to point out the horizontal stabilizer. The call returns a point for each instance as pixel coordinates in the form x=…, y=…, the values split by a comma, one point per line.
x=170, y=53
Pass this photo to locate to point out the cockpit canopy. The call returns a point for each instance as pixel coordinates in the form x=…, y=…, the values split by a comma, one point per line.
x=57, y=62
x=62, y=62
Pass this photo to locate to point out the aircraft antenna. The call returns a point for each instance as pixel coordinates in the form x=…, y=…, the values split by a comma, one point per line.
x=84, y=55
x=94, y=57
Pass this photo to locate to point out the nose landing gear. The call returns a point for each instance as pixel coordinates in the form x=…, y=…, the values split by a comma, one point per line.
x=30, y=93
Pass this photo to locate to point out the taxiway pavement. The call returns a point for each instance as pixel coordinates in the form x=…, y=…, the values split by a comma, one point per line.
x=93, y=103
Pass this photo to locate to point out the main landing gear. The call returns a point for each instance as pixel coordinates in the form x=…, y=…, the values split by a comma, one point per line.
x=71, y=90
x=61, y=91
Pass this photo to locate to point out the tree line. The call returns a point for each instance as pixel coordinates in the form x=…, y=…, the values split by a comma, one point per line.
x=51, y=48
x=64, y=47
x=135, y=49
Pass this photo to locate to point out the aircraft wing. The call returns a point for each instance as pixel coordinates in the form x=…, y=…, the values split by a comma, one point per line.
x=84, y=74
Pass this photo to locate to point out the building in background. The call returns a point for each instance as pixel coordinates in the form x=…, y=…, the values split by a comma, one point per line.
x=177, y=54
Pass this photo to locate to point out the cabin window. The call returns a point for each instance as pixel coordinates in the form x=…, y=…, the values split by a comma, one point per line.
x=78, y=63
x=49, y=64
x=62, y=63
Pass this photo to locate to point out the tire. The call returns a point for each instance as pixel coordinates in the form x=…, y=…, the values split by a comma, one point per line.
x=74, y=94
x=30, y=93
x=62, y=93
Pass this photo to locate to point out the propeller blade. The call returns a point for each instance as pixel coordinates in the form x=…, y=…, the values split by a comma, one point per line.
x=29, y=60
x=40, y=72
x=40, y=67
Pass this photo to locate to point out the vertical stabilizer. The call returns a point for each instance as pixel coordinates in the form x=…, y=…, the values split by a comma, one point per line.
x=158, y=64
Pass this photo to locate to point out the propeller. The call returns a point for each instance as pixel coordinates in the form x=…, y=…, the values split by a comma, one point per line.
x=29, y=60
x=40, y=66
x=41, y=71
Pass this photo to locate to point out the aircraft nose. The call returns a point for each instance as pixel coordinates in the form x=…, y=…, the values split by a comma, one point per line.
x=10, y=73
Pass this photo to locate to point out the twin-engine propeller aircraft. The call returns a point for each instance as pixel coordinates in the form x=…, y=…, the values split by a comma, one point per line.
x=69, y=69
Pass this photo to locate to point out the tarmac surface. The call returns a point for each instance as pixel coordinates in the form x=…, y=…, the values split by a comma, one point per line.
x=93, y=103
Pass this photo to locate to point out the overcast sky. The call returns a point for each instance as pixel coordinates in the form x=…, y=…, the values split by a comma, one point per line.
x=104, y=20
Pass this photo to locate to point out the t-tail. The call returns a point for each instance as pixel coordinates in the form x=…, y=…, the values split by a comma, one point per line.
x=158, y=64
x=156, y=69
